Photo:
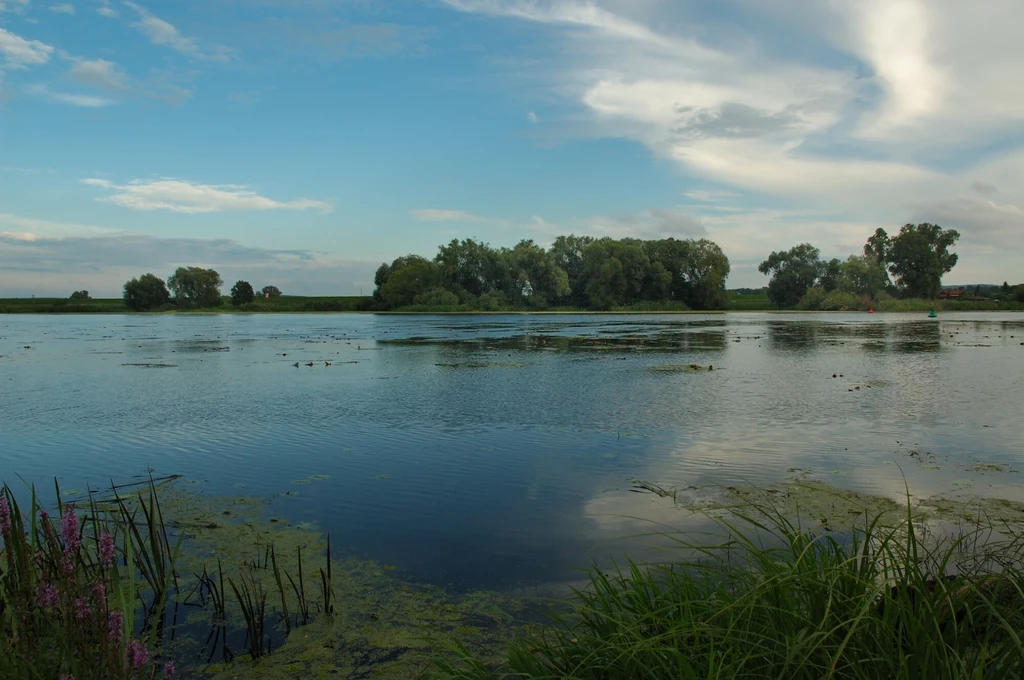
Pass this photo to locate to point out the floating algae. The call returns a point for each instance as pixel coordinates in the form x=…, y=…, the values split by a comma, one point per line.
x=319, y=478
x=484, y=364
x=679, y=368
x=382, y=627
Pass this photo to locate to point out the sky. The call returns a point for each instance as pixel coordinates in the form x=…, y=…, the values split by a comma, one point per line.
x=301, y=143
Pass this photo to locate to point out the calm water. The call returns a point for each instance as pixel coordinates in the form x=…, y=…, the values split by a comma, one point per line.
x=496, y=451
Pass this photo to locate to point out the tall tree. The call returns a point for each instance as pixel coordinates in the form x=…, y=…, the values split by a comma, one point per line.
x=195, y=287
x=704, y=272
x=145, y=293
x=408, y=277
x=863, y=275
x=793, y=272
x=918, y=257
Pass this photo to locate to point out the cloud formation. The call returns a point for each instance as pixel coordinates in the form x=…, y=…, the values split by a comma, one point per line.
x=861, y=113
x=18, y=53
x=99, y=73
x=38, y=257
x=435, y=215
x=65, y=8
x=70, y=98
x=165, y=34
x=194, y=198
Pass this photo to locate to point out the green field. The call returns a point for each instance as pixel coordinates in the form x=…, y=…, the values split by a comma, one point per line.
x=283, y=303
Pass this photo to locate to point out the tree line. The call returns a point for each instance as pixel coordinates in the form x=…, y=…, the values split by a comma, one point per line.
x=187, y=288
x=909, y=264
x=576, y=271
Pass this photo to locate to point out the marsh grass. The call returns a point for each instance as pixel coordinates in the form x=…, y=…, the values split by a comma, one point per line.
x=89, y=596
x=776, y=599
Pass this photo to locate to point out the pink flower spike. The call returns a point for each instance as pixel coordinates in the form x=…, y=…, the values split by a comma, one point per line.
x=136, y=655
x=115, y=627
x=106, y=549
x=5, y=515
x=69, y=530
x=168, y=670
x=67, y=676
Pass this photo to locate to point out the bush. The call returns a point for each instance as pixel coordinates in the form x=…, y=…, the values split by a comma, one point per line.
x=437, y=297
x=242, y=293
x=80, y=295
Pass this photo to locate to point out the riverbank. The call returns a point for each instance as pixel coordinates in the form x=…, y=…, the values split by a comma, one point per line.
x=357, y=304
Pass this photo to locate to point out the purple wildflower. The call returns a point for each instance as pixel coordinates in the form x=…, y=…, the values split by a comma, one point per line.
x=82, y=610
x=106, y=549
x=5, y=515
x=47, y=595
x=69, y=530
x=168, y=670
x=67, y=676
x=136, y=655
x=115, y=626
x=99, y=594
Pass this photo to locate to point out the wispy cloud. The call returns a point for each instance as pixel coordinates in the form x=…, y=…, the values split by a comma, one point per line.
x=98, y=73
x=65, y=8
x=106, y=10
x=70, y=98
x=18, y=52
x=436, y=215
x=532, y=117
x=194, y=198
x=44, y=257
x=165, y=34
x=13, y=5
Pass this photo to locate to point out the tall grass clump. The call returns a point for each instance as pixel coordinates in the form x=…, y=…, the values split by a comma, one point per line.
x=68, y=595
x=777, y=600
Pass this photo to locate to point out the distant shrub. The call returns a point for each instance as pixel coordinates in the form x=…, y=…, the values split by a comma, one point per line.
x=80, y=295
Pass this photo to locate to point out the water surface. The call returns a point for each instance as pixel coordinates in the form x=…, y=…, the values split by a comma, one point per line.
x=497, y=451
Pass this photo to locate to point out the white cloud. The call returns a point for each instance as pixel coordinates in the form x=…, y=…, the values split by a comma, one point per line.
x=13, y=5
x=71, y=98
x=434, y=215
x=194, y=198
x=17, y=52
x=163, y=33
x=106, y=10
x=532, y=117
x=98, y=73
x=854, y=115
x=65, y=8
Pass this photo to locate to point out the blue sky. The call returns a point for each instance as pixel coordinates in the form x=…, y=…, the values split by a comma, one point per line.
x=302, y=142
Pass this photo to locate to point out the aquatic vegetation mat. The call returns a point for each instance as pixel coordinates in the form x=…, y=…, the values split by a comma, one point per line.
x=225, y=588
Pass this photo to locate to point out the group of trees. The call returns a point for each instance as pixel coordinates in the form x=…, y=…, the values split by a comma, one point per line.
x=908, y=264
x=187, y=287
x=576, y=271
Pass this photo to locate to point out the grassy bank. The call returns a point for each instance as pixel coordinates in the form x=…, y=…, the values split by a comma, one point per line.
x=777, y=600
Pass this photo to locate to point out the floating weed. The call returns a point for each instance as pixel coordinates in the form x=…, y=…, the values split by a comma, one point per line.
x=319, y=478
x=300, y=481
x=383, y=476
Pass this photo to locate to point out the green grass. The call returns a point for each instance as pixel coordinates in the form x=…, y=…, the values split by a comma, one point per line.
x=776, y=600
x=283, y=303
x=60, y=306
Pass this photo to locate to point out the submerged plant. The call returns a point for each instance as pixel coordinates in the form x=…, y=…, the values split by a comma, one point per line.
x=777, y=600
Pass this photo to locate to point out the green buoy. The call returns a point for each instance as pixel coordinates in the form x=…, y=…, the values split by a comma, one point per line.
x=932, y=314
